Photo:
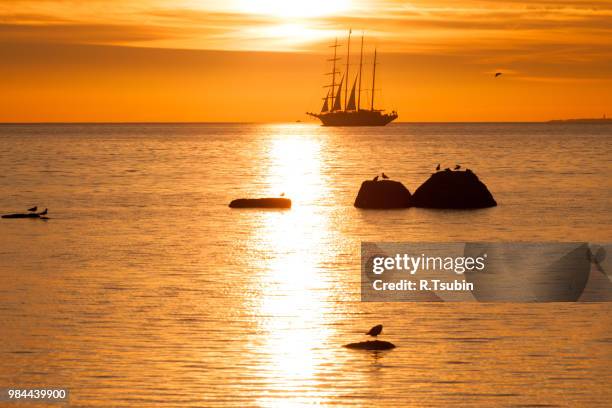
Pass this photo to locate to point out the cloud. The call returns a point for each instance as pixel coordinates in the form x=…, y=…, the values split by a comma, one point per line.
x=564, y=29
x=26, y=18
x=72, y=33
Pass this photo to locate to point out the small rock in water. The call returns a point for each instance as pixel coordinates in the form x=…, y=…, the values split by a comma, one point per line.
x=454, y=190
x=383, y=194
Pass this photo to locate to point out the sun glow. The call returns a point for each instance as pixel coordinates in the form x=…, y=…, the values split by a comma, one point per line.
x=287, y=37
x=291, y=22
x=294, y=8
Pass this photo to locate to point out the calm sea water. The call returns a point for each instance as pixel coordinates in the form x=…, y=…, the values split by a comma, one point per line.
x=145, y=289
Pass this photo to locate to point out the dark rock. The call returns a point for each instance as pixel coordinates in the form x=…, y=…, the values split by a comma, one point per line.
x=28, y=215
x=261, y=203
x=371, y=345
x=383, y=194
x=453, y=189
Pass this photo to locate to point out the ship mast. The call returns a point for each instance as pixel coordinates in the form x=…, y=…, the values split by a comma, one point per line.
x=360, y=65
x=333, y=73
x=373, y=79
x=348, y=54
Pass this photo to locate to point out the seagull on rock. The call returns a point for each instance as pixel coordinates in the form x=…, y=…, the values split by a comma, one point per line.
x=375, y=331
x=375, y=178
x=384, y=176
x=44, y=212
x=33, y=209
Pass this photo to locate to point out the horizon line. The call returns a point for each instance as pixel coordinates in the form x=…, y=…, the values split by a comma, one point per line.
x=249, y=122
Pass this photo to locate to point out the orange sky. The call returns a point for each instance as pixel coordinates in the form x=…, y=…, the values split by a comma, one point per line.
x=263, y=60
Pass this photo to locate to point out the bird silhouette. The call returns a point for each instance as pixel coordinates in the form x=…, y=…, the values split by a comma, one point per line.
x=384, y=176
x=457, y=167
x=44, y=212
x=33, y=209
x=375, y=178
x=375, y=331
x=497, y=74
x=282, y=194
x=438, y=167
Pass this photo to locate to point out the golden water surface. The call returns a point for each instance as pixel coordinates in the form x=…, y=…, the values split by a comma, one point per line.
x=145, y=289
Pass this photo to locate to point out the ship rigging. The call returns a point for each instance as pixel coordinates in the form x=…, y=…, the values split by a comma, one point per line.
x=334, y=112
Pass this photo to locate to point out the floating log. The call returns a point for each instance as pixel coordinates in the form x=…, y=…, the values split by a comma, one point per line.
x=271, y=202
x=371, y=345
x=28, y=215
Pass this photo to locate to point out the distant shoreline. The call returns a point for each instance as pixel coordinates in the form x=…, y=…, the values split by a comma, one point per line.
x=582, y=120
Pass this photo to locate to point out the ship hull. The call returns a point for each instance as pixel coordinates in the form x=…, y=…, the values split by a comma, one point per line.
x=355, y=118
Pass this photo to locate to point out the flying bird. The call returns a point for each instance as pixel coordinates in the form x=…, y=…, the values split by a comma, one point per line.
x=44, y=212
x=438, y=167
x=457, y=167
x=497, y=74
x=375, y=331
x=375, y=178
x=33, y=209
x=384, y=176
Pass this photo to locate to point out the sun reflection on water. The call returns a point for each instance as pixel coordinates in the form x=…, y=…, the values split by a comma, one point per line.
x=295, y=293
x=295, y=167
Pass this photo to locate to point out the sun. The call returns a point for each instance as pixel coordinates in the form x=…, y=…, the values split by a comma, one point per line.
x=293, y=8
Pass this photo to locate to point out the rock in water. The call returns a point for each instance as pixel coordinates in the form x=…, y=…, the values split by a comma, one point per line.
x=371, y=345
x=453, y=189
x=261, y=203
x=383, y=194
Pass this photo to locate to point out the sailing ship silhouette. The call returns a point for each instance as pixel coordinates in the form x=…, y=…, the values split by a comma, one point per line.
x=350, y=113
